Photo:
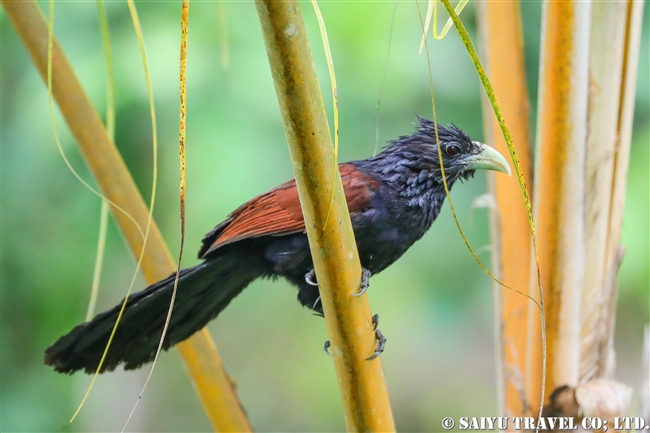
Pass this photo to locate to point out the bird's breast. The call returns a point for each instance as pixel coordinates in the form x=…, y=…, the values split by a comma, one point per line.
x=388, y=237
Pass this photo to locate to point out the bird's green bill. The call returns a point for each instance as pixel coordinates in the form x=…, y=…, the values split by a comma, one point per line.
x=487, y=159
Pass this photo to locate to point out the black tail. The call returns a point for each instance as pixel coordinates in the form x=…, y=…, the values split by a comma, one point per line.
x=203, y=292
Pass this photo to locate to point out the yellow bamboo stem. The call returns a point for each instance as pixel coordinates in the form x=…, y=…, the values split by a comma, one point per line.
x=333, y=249
x=503, y=49
x=559, y=184
x=199, y=353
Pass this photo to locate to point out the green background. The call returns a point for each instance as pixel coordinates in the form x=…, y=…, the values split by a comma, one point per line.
x=435, y=304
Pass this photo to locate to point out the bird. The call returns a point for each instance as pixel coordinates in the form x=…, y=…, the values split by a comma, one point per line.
x=393, y=199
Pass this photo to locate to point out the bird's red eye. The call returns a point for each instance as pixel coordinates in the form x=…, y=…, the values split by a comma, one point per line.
x=452, y=150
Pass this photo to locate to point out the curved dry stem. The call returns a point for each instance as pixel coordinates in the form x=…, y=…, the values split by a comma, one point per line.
x=213, y=386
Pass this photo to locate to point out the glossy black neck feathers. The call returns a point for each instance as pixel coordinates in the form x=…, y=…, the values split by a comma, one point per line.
x=411, y=165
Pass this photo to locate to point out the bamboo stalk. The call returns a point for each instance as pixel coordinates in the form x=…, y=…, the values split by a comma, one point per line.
x=503, y=55
x=629, y=70
x=605, y=68
x=199, y=353
x=559, y=183
x=333, y=249
x=625, y=117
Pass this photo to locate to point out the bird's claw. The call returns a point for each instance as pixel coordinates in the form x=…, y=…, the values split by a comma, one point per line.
x=313, y=307
x=309, y=278
x=381, y=345
x=381, y=340
x=375, y=321
x=365, y=281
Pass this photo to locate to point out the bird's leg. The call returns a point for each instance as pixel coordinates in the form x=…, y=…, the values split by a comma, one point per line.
x=327, y=346
x=365, y=281
x=309, y=278
x=381, y=340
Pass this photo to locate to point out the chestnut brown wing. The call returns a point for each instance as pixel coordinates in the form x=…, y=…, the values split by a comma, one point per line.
x=278, y=211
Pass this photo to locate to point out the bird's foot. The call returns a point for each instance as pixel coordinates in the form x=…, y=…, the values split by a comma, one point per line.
x=310, y=277
x=365, y=281
x=381, y=340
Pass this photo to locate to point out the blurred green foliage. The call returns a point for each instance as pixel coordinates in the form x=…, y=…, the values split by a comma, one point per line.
x=435, y=304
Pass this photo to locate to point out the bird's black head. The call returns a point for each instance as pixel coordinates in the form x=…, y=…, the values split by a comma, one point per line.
x=410, y=169
x=461, y=156
x=411, y=166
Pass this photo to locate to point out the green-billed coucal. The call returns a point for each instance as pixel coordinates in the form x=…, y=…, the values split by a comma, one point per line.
x=393, y=199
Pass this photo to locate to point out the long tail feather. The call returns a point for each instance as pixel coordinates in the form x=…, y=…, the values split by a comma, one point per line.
x=203, y=292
